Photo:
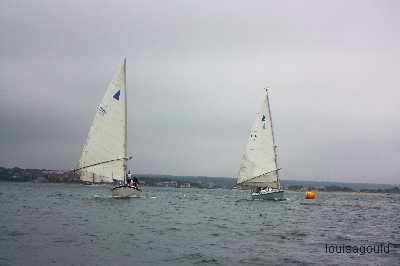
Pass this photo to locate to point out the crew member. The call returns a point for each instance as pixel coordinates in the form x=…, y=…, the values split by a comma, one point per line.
x=135, y=182
x=129, y=177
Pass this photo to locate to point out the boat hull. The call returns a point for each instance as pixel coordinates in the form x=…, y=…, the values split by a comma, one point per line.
x=270, y=195
x=125, y=191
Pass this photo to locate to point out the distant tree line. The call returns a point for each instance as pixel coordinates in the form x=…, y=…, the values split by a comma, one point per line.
x=17, y=174
x=194, y=181
x=58, y=176
x=322, y=188
x=343, y=189
x=43, y=175
x=382, y=190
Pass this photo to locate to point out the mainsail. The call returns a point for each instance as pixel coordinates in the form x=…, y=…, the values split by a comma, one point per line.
x=104, y=155
x=258, y=166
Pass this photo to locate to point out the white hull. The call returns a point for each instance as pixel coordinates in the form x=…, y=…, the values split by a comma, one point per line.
x=268, y=195
x=125, y=192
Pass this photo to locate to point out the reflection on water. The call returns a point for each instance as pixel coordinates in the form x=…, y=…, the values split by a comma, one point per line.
x=41, y=224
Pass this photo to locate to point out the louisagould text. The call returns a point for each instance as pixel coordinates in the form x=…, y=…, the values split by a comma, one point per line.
x=361, y=249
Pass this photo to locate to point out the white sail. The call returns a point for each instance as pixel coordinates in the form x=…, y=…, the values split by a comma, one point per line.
x=104, y=155
x=258, y=166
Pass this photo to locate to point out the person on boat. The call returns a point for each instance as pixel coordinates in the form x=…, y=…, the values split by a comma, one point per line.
x=258, y=189
x=129, y=177
x=135, y=182
x=265, y=189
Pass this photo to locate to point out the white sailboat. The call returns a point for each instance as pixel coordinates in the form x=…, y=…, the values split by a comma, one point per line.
x=259, y=165
x=104, y=156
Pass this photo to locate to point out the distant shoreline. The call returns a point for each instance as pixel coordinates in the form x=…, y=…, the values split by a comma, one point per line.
x=58, y=176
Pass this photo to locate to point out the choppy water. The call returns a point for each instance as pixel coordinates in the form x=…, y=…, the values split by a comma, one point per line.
x=64, y=224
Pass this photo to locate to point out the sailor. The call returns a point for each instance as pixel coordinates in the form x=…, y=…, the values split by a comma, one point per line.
x=129, y=177
x=258, y=189
x=135, y=181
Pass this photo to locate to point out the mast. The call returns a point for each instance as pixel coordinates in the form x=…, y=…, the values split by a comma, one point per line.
x=273, y=141
x=126, y=125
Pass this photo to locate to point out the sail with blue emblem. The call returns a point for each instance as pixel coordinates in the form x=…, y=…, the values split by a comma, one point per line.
x=258, y=166
x=103, y=158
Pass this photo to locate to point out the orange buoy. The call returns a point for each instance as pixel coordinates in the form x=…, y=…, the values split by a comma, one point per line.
x=309, y=195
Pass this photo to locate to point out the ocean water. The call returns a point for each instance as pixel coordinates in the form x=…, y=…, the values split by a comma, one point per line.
x=71, y=224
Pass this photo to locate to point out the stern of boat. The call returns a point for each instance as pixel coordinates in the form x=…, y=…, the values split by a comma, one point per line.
x=125, y=192
x=273, y=195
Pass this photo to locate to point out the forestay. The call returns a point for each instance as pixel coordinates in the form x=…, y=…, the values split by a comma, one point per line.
x=104, y=155
x=258, y=166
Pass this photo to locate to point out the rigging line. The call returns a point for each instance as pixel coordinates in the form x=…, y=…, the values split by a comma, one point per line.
x=276, y=170
x=104, y=162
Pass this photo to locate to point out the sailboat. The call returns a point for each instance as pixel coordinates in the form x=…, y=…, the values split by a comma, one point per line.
x=104, y=156
x=259, y=165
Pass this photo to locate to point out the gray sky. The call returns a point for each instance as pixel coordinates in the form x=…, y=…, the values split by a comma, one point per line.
x=196, y=70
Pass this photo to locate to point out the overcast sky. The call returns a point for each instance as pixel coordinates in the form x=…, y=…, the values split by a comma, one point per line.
x=195, y=75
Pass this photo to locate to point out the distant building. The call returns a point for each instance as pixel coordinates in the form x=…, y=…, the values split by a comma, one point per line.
x=54, y=172
x=184, y=185
x=167, y=184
